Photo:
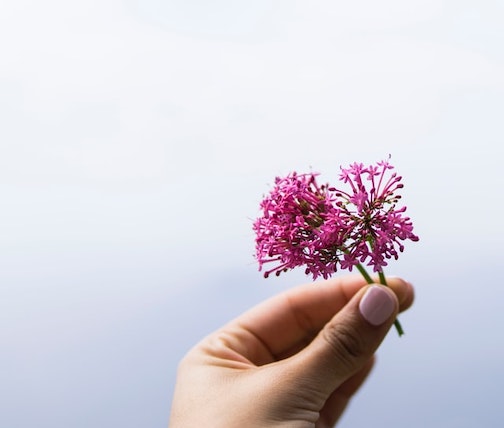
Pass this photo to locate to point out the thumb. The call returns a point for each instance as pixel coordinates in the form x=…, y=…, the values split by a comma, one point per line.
x=348, y=341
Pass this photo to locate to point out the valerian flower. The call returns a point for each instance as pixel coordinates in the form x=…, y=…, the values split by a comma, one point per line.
x=325, y=228
x=377, y=226
x=292, y=230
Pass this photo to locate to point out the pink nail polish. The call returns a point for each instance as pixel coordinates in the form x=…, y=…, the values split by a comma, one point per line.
x=376, y=305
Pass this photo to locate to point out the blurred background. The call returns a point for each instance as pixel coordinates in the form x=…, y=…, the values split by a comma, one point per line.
x=136, y=141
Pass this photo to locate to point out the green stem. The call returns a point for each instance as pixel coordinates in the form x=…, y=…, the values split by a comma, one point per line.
x=383, y=281
x=364, y=273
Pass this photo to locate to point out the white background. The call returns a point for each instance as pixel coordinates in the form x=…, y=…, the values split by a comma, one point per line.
x=136, y=141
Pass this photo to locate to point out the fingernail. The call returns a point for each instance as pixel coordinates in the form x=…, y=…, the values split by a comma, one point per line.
x=376, y=305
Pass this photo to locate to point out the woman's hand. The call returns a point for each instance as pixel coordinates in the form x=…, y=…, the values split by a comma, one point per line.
x=293, y=361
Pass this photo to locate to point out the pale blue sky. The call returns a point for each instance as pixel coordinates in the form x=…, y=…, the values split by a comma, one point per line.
x=136, y=140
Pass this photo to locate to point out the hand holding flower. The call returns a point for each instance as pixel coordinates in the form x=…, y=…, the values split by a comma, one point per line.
x=294, y=360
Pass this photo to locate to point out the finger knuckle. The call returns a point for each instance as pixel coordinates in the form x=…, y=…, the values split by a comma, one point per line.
x=346, y=343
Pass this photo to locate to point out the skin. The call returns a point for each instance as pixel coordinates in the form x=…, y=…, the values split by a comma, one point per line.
x=293, y=361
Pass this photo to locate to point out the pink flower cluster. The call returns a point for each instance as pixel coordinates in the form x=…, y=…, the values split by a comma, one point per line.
x=324, y=228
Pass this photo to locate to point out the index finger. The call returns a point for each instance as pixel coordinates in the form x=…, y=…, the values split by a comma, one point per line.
x=287, y=322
